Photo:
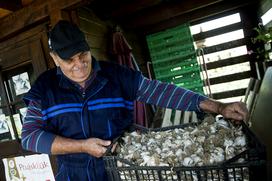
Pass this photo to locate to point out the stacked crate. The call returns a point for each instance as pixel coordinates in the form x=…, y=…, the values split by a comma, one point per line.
x=174, y=59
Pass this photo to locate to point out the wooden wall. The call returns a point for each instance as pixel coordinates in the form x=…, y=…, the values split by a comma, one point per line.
x=139, y=49
x=99, y=34
x=96, y=31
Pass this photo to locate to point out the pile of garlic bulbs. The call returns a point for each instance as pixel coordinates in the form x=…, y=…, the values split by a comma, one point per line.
x=209, y=143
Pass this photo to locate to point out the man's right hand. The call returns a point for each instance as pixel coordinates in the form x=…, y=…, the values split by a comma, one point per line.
x=95, y=146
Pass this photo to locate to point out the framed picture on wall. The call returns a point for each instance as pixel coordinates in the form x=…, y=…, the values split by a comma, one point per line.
x=3, y=124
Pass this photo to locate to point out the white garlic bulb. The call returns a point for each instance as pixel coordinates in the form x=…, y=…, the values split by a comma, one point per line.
x=188, y=161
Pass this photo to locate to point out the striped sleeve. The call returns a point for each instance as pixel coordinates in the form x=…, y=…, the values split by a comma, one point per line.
x=168, y=95
x=34, y=137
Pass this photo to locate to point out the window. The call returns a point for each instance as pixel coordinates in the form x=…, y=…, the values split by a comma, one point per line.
x=223, y=48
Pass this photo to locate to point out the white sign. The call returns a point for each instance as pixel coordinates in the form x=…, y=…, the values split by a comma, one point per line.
x=28, y=168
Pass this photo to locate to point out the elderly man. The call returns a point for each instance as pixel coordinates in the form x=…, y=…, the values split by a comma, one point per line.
x=77, y=108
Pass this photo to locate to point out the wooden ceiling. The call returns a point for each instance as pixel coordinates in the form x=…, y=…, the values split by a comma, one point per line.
x=153, y=15
x=145, y=15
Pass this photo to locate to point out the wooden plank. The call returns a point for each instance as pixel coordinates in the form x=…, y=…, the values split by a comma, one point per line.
x=38, y=59
x=186, y=117
x=55, y=16
x=96, y=32
x=194, y=118
x=4, y=12
x=253, y=94
x=20, y=45
x=26, y=16
x=227, y=45
x=229, y=61
x=248, y=16
x=37, y=11
x=231, y=77
x=177, y=117
x=100, y=54
x=44, y=42
x=12, y=54
x=232, y=93
x=249, y=88
x=3, y=93
x=19, y=39
x=167, y=118
x=92, y=26
x=97, y=42
x=218, y=31
x=87, y=13
x=74, y=16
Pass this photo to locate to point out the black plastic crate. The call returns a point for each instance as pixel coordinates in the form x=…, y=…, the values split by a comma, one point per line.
x=252, y=168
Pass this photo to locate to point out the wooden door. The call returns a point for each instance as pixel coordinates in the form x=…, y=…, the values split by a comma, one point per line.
x=22, y=59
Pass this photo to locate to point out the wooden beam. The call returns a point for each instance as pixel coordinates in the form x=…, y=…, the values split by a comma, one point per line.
x=218, y=31
x=193, y=16
x=37, y=11
x=12, y=5
x=229, y=61
x=231, y=77
x=166, y=11
x=232, y=93
x=19, y=39
x=55, y=16
x=227, y=45
x=4, y=12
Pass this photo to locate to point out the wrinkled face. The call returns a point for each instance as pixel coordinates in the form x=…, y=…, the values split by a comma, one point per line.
x=78, y=68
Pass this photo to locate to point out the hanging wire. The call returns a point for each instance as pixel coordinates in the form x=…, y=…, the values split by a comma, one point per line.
x=203, y=66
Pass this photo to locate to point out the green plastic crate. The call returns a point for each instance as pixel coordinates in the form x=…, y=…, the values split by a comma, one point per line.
x=174, y=59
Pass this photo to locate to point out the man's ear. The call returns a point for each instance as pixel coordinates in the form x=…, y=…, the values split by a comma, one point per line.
x=55, y=58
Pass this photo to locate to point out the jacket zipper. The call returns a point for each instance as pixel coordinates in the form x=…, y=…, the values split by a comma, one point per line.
x=109, y=129
x=85, y=102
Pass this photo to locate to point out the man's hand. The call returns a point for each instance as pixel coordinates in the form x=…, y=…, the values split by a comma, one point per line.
x=236, y=111
x=95, y=146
